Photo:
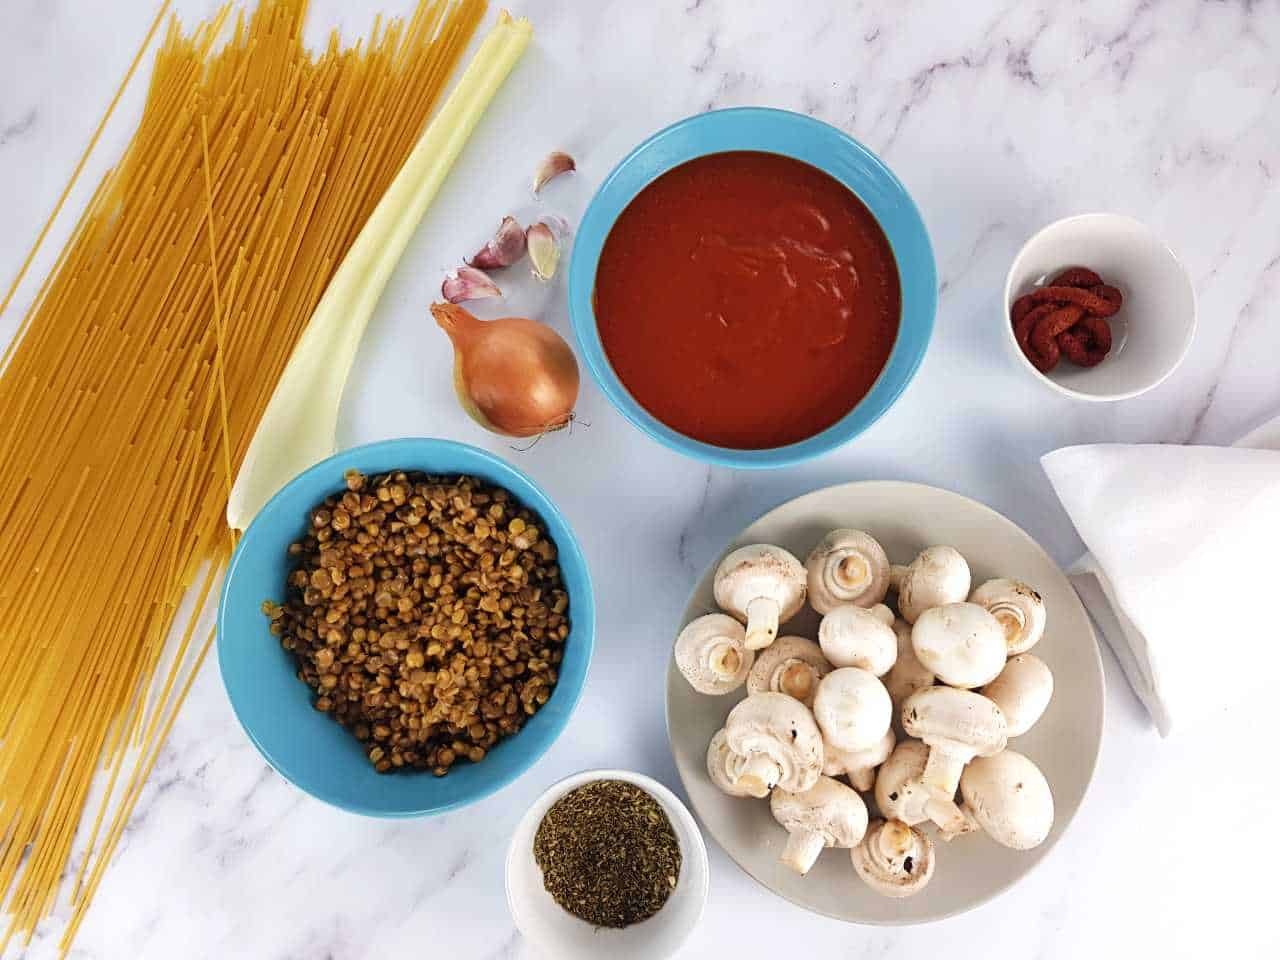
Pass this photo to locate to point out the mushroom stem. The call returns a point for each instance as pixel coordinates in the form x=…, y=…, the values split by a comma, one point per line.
x=894, y=839
x=802, y=850
x=852, y=571
x=762, y=622
x=758, y=775
x=1011, y=620
x=948, y=816
x=962, y=824
x=942, y=772
x=796, y=679
x=723, y=660
x=896, y=572
x=790, y=665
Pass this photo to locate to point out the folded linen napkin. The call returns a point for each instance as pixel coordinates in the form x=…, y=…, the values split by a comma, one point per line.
x=1183, y=563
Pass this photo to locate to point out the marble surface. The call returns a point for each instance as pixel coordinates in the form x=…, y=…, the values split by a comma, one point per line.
x=999, y=117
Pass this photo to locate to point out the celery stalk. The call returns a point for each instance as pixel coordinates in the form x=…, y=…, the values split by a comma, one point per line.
x=298, y=428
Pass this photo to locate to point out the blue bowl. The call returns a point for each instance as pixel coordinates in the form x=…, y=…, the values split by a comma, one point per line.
x=308, y=748
x=820, y=145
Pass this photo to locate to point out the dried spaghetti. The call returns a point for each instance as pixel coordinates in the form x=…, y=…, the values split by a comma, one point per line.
x=136, y=382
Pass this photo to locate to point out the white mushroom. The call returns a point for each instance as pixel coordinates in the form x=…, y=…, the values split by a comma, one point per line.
x=901, y=795
x=961, y=643
x=763, y=586
x=938, y=575
x=712, y=653
x=828, y=814
x=1022, y=692
x=1019, y=610
x=848, y=566
x=852, y=708
x=894, y=859
x=908, y=674
x=1010, y=798
x=723, y=766
x=957, y=725
x=858, y=765
x=790, y=665
x=778, y=741
x=856, y=637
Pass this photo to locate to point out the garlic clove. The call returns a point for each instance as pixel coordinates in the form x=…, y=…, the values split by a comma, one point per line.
x=555, y=164
x=544, y=250
x=468, y=283
x=506, y=247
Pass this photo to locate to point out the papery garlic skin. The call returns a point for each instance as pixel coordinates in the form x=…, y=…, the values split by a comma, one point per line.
x=555, y=163
x=468, y=283
x=506, y=247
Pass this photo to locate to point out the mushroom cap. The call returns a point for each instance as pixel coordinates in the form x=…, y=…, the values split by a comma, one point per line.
x=852, y=708
x=857, y=637
x=1018, y=608
x=760, y=570
x=723, y=765
x=961, y=643
x=894, y=859
x=704, y=642
x=898, y=794
x=786, y=665
x=859, y=765
x=780, y=728
x=828, y=808
x=938, y=575
x=848, y=566
x=1022, y=692
x=1010, y=798
x=908, y=674
x=950, y=716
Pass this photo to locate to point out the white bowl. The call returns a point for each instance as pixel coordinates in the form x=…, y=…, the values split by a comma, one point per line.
x=556, y=933
x=904, y=517
x=1153, y=329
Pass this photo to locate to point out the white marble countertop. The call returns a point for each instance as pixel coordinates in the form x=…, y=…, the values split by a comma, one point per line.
x=999, y=117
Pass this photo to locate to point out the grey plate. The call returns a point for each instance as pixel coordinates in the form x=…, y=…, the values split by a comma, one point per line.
x=904, y=517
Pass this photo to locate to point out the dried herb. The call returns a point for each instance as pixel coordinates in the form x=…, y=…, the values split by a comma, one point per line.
x=608, y=853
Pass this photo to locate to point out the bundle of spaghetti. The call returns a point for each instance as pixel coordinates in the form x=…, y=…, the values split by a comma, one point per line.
x=136, y=382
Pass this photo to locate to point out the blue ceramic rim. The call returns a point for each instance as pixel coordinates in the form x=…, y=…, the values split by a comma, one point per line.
x=582, y=631
x=811, y=141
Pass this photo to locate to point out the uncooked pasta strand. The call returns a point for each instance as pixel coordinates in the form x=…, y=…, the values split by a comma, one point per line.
x=75, y=174
x=137, y=379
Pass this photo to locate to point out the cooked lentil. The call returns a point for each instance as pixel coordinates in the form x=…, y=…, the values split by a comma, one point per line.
x=427, y=615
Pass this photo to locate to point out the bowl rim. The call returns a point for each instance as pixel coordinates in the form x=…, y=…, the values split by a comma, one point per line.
x=1098, y=726
x=919, y=295
x=1183, y=350
x=670, y=802
x=586, y=626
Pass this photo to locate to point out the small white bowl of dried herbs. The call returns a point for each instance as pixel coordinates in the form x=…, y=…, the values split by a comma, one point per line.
x=607, y=860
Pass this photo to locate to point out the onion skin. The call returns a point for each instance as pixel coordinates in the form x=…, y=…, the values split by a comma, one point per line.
x=514, y=376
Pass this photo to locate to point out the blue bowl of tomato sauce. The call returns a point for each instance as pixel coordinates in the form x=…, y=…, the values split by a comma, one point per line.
x=752, y=287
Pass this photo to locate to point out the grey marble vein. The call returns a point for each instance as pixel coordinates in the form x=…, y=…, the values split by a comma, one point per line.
x=11, y=131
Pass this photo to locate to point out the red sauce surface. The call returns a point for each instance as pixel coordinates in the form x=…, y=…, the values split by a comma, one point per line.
x=747, y=300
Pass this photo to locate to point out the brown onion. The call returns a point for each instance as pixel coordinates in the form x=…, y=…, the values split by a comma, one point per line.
x=513, y=375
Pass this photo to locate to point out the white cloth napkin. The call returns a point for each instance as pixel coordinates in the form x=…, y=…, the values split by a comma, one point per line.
x=1183, y=564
